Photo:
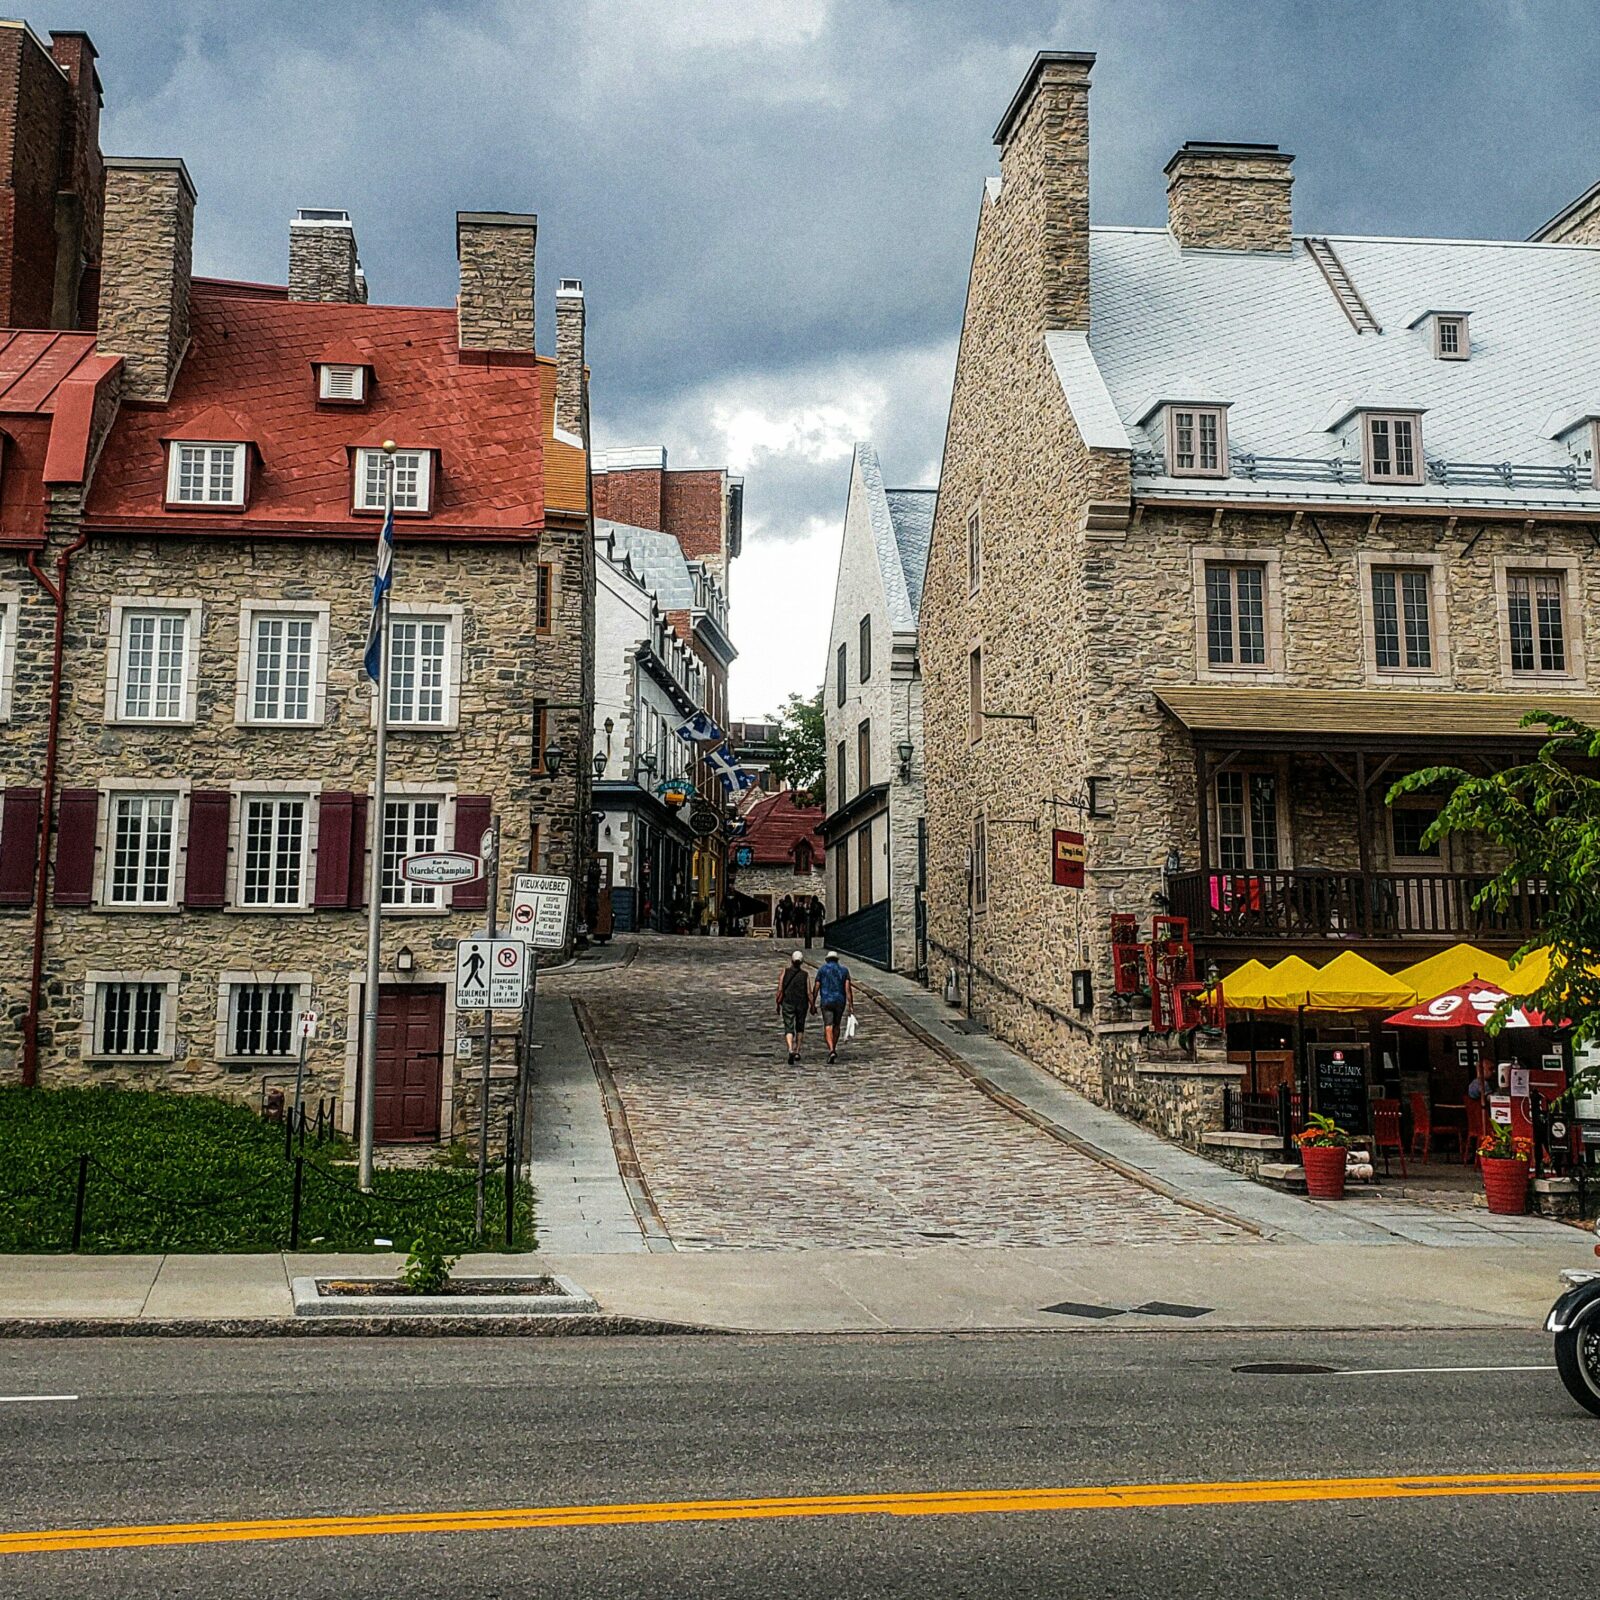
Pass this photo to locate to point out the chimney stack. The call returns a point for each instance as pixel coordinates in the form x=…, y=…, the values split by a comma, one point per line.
x=495, y=250
x=145, y=271
x=323, y=263
x=571, y=411
x=1044, y=156
x=1230, y=197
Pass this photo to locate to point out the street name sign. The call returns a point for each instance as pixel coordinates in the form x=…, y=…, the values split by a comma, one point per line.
x=539, y=909
x=441, y=866
x=491, y=974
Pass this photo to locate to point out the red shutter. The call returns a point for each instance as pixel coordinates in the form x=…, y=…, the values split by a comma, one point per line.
x=334, y=812
x=19, y=846
x=473, y=814
x=78, y=819
x=358, y=846
x=206, y=875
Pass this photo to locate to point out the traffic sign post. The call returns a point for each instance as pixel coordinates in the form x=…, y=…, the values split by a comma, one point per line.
x=539, y=909
x=490, y=848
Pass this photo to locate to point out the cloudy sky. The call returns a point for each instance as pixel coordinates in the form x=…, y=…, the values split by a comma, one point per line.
x=771, y=202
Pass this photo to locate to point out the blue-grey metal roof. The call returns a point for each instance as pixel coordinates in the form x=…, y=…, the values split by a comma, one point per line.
x=911, y=512
x=657, y=560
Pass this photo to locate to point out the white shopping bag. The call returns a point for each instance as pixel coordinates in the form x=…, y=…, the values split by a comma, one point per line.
x=850, y=1026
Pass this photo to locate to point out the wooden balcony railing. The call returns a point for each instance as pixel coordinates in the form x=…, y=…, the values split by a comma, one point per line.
x=1315, y=904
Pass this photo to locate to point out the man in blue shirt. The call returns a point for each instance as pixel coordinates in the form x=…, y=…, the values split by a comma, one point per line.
x=835, y=993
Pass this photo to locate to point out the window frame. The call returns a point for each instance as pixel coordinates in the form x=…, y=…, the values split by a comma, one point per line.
x=123, y=610
x=1435, y=567
x=411, y=794
x=1269, y=559
x=864, y=645
x=251, y=612
x=114, y=796
x=975, y=693
x=1569, y=572
x=228, y=983
x=1170, y=423
x=1459, y=322
x=427, y=471
x=451, y=617
x=978, y=843
x=1248, y=776
x=974, y=549
x=863, y=755
x=841, y=673
x=91, y=1029
x=1409, y=806
x=1389, y=419
x=544, y=598
x=10, y=620
x=246, y=791
x=358, y=372
x=240, y=467
x=842, y=758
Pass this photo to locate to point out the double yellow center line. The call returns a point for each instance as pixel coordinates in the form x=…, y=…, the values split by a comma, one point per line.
x=953, y=1503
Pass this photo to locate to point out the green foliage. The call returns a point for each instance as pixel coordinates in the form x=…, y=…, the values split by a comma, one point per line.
x=801, y=738
x=1498, y=1145
x=187, y=1172
x=427, y=1268
x=1544, y=816
x=1323, y=1133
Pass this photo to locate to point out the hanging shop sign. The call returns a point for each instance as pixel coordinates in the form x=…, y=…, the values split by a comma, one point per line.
x=744, y=856
x=1067, y=858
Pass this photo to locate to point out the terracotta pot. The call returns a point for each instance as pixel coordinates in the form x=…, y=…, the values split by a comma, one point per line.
x=1505, y=1183
x=1324, y=1167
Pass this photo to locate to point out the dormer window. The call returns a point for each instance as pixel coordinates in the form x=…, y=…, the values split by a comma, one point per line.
x=1450, y=339
x=1392, y=443
x=202, y=473
x=341, y=381
x=413, y=481
x=1197, y=441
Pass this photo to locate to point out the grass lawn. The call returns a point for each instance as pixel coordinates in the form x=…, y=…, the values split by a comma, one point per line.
x=190, y=1172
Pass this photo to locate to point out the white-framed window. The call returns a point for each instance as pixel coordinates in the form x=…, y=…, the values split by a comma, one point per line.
x=1451, y=340
x=1247, y=821
x=1197, y=442
x=205, y=474
x=261, y=1020
x=413, y=480
x=1236, y=613
x=339, y=380
x=421, y=688
x=412, y=825
x=974, y=549
x=130, y=1015
x=1393, y=446
x=1536, y=620
x=1402, y=619
x=283, y=666
x=273, y=851
x=141, y=849
x=154, y=649
x=10, y=607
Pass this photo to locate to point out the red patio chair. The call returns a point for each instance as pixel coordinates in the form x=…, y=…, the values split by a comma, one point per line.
x=1386, y=1132
x=1477, y=1127
x=1423, y=1132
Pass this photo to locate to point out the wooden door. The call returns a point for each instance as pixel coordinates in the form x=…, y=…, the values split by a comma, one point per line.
x=410, y=1086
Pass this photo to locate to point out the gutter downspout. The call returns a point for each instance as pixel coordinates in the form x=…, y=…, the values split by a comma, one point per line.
x=58, y=593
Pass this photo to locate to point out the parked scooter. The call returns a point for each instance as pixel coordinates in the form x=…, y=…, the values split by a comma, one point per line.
x=1575, y=1321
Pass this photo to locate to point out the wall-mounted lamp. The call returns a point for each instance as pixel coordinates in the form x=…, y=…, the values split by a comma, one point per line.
x=647, y=765
x=905, y=751
x=404, y=961
x=600, y=760
x=552, y=758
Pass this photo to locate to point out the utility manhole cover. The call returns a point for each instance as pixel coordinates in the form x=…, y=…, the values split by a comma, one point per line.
x=1073, y=1308
x=1285, y=1369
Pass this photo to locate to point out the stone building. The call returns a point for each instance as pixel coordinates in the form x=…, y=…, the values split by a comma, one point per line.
x=1237, y=525
x=755, y=747
x=872, y=716
x=780, y=854
x=187, y=828
x=701, y=511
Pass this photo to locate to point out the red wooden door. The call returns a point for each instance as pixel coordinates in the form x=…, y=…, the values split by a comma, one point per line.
x=410, y=1065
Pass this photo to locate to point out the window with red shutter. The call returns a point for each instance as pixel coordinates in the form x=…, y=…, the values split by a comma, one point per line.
x=206, y=875
x=358, y=847
x=335, y=816
x=474, y=812
x=19, y=846
x=76, y=823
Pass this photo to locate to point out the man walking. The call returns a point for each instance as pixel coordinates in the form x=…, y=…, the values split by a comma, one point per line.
x=836, y=994
x=792, y=1005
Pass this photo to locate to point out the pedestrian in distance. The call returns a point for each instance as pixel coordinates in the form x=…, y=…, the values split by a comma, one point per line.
x=793, y=995
x=835, y=995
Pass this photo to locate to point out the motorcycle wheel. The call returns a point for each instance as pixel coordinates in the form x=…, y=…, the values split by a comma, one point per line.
x=1578, y=1361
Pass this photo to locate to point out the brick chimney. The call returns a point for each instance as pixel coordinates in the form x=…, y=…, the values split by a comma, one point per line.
x=1230, y=197
x=323, y=263
x=571, y=411
x=145, y=273
x=1044, y=162
x=495, y=250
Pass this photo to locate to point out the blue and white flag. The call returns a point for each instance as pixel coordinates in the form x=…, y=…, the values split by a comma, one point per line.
x=382, y=581
x=723, y=762
x=745, y=780
x=699, y=727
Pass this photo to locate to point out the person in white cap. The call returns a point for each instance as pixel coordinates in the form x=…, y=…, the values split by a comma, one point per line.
x=836, y=995
x=793, y=999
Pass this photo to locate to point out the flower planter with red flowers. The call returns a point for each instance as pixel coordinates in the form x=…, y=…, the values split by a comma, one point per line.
x=1504, y=1165
x=1324, y=1154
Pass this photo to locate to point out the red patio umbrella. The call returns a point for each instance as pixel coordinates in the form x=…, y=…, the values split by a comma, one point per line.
x=1468, y=1005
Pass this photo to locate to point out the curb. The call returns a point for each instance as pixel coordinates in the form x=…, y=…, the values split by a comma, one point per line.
x=651, y=1225
x=1009, y=1102
x=403, y=1327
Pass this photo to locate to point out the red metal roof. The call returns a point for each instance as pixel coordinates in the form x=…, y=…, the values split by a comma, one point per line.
x=775, y=825
x=253, y=356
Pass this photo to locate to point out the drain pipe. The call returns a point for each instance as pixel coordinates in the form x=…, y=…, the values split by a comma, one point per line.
x=58, y=593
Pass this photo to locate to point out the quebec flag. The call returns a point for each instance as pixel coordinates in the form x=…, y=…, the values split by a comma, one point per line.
x=382, y=581
x=723, y=763
x=699, y=727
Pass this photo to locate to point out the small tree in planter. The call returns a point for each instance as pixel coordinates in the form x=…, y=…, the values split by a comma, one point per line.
x=1504, y=1165
x=1324, y=1153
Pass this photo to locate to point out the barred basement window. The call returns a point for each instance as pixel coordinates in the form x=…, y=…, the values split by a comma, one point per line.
x=410, y=828
x=261, y=1019
x=129, y=1019
x=141, y=849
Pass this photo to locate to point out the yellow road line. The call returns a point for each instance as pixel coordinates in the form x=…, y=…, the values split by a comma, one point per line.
x=951, y=1503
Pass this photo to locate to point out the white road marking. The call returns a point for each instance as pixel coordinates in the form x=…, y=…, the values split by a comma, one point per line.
x=1398, y=1372
x=29, y=1399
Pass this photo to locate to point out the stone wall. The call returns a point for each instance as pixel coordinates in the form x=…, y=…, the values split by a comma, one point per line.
x=495, y=251
x=144, y=277
x=323, y=263
x=1230, y=197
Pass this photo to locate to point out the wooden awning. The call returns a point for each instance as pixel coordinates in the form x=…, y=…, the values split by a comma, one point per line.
x=1346, y=718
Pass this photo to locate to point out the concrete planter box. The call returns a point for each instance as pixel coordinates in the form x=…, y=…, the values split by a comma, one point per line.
x=312, y=1299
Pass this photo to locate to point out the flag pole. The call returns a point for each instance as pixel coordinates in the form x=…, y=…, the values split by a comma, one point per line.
x=369, y=1018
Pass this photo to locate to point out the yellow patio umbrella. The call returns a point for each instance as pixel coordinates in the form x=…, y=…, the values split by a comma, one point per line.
x=1241, y=988
x=1285, y=986
x=1352, y=983
x=1528, y=974
x=1451, y=968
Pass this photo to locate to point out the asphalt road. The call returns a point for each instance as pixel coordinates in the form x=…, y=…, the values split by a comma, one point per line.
x=166, y=1431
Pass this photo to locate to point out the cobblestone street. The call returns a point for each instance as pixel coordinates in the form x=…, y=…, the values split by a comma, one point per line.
x=891, y=1147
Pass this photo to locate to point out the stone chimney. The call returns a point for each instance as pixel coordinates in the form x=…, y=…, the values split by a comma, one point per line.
x=1230, y=197
x=1044, y=161
x=145, y=271
x=495, y=250
x=571, y=412
x=323, y=263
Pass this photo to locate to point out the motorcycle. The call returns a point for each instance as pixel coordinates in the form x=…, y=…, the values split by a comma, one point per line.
x=1575, y=1321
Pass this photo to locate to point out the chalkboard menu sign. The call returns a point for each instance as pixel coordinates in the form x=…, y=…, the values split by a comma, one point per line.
x=1339, y=1084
